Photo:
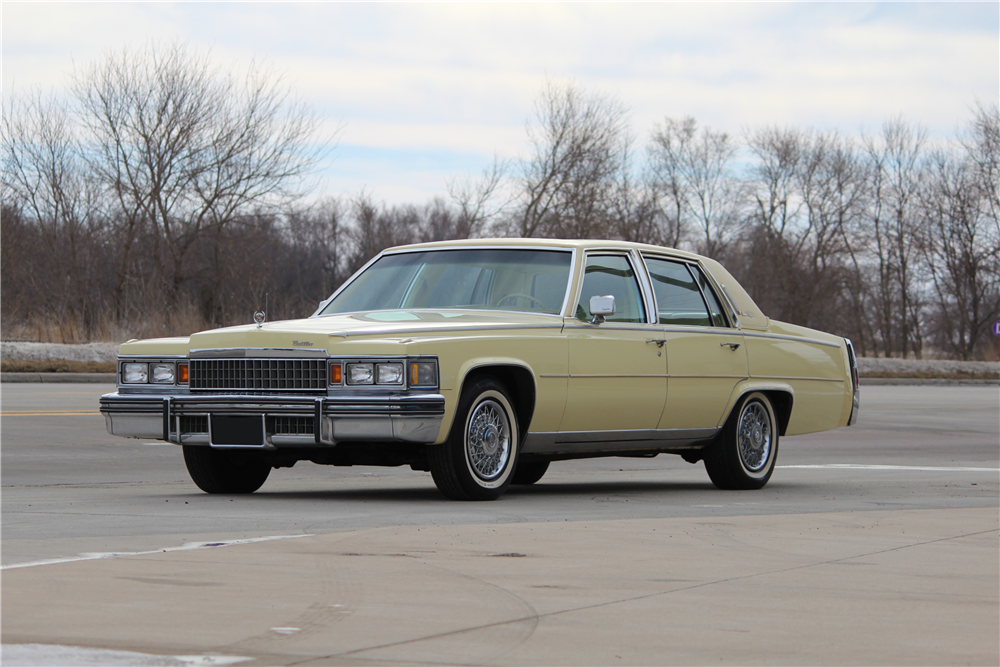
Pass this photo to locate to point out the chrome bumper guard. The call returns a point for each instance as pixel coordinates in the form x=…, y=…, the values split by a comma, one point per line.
x=392, y=418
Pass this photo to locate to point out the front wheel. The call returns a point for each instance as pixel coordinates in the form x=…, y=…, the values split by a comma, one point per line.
x=478, y=459
x=745, y=453
x=217, y=471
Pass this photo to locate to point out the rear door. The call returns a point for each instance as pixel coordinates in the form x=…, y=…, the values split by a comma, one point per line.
x=706, y=355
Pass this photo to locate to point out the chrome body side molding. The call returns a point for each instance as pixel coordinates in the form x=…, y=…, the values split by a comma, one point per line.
x=797, y=339
x=612, y=441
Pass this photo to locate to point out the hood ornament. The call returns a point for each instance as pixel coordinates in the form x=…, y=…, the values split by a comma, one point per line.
x=259, y=318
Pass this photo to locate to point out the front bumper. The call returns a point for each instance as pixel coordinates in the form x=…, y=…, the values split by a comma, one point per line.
x=286, y=421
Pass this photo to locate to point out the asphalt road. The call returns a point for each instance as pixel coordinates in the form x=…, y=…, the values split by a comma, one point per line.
x=606, y=561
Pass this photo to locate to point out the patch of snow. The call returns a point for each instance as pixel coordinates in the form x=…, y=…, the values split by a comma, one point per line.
x=45, y=655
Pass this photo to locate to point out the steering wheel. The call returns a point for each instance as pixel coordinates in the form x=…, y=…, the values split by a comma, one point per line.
x=512, y=297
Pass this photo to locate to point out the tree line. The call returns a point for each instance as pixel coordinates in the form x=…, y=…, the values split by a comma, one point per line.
x=163, y=195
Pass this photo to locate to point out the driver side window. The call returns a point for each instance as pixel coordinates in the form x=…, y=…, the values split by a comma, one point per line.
x=611, y=275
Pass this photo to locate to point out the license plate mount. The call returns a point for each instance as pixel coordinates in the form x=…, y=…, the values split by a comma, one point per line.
x=237, y=430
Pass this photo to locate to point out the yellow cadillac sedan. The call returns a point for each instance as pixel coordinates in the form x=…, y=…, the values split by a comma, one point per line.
x=483, y=361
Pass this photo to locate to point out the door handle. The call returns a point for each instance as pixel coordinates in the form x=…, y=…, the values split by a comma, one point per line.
x=732, y=346
x=660, y=342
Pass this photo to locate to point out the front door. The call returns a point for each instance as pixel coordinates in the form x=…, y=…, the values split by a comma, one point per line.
x=617, y=372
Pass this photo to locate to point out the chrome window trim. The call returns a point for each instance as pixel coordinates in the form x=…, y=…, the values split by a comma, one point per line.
x=630, y=255
x=729, y=317
x=617, y=326
x=734, y=312
x=687, y=264
x=726, y=301
x=701, y=290
x=645, y=286
x=569, y=281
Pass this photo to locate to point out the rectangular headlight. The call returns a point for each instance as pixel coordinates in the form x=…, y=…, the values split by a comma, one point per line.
x=389, y=374
x=161, y=373
x=360, y=374
x=423, y=374
x=133, y=373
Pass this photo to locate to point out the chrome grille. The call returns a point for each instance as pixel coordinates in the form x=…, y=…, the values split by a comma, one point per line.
x=258, y=374
x=293, y=425
x=194, y=423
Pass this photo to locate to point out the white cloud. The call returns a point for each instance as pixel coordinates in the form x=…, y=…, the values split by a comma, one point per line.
x=459, y=79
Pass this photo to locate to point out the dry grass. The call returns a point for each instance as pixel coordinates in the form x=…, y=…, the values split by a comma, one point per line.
x=180, y=322
x=55, y=366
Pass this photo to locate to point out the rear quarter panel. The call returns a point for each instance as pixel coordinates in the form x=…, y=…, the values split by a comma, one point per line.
x=813, y=364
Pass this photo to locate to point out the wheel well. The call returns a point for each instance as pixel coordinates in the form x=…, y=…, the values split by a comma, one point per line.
x=519, y=383
x=781, y=401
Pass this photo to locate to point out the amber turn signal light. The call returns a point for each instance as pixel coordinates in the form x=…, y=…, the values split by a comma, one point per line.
x=182, y=373
x=335, y=374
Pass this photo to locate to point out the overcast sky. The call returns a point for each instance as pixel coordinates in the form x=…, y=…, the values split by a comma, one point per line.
x=425, y=92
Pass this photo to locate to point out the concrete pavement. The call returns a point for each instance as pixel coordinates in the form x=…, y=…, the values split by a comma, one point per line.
x=879, y=587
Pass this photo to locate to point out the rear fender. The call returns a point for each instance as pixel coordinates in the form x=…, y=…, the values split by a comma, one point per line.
x=781, y=395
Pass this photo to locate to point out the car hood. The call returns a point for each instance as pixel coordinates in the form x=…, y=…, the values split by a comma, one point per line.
x=320, y=333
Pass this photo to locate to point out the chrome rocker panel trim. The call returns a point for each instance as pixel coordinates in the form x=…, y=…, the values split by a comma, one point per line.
x=567, y=442
x=414, y=419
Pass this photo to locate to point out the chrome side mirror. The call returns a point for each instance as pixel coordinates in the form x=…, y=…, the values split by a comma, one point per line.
x=601, y=307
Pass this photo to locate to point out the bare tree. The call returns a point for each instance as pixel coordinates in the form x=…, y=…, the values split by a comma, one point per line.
x=896, y=163
x=564, y=185
x=962, y=239
x=44, y=178
x=699, y=193
x=187, y=147
x=476, y=200
x=633, y=205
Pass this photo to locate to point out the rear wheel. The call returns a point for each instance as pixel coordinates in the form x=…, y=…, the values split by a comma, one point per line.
x=477, y=461
x=218, y=471
x=746, y=451
x=529, y=472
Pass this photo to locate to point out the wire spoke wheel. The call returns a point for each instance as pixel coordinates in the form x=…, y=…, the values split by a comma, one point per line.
x=488, y=440
x=754, y=437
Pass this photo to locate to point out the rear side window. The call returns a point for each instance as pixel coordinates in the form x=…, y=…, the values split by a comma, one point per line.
x=713, y=302
x=679, y=298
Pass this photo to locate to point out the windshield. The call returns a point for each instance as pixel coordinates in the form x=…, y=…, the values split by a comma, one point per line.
x=483, y=279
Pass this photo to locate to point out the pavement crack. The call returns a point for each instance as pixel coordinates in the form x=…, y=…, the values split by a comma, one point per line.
x=536, y=617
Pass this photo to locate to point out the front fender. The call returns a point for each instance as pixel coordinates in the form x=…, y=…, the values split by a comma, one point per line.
x=522, y=383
